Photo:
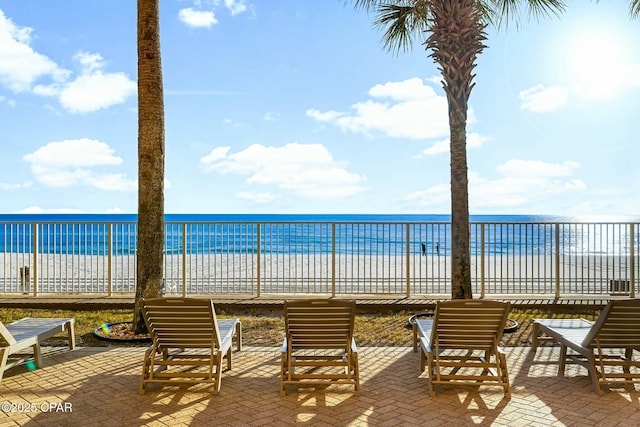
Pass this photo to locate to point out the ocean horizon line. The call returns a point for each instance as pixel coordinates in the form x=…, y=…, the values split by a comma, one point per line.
x=302, y=217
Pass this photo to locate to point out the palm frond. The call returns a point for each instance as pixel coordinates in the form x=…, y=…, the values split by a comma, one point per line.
x=506, y=11
x=487, y=11
x=634, y=9
x=402, y=23
x=366, y=4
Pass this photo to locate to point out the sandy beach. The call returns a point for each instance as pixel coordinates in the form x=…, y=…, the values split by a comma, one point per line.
x=319, y=273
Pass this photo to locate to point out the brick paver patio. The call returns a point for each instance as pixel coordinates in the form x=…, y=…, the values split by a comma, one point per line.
x=99, y=387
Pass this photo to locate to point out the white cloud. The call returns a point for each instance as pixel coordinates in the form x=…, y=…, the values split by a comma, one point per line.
x=39, y=210
x=115, y=210
x=14, y=187
x=93, y=89
x=216, y=154
x=522, y=183
x=270, y=116
x=408, y=109
x=89, y=61
x=539, y=99
x=307, y=170
x=96, y=91
x=73, y=153
x=20, y=65
x=534, y=168
x=474, y=140
x=328, y=116
x=197, y=18
x=21, y=68
x=68, y=163
x=258, y=198
x=235, y=6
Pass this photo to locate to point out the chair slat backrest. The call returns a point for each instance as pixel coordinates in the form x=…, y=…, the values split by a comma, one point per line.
x=469, y=324
x=617, y=327
x=319, y=324
x=6, y=339
x=182, y=322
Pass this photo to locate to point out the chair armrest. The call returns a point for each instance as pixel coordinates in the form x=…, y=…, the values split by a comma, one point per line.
x=426, y=345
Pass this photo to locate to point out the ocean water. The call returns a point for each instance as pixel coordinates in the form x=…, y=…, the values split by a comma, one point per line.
x=98, y=234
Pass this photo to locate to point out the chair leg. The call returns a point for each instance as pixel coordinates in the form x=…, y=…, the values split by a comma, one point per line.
x=628, y=359
x=534, y=336
x=356, y=373
x=593, y=373
x=239, y=336
x=218, y=372
x=71, y=335
x=145, y=371
x=563, y=360
x=432, y=390
x=37, y=355
x=283, y=373
x=229, y=359
x=4, y=356
x=504, y=374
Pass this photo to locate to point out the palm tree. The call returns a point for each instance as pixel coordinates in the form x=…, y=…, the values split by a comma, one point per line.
x=150, y=159
x=456, y=32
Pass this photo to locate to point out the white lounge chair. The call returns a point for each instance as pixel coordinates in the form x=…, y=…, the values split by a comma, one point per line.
x=617, y=329
x=30, y=332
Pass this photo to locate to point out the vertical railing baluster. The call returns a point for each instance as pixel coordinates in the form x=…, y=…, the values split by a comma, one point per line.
x=35, y=260
x=482, y=270
x=333, y=259
x=258, y=259
x=408, y=261
x=184, y=259
x=557, y=260
x=632, y=260
x=109, y=255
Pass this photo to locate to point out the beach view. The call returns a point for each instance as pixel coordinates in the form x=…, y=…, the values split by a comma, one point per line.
x=332, y=213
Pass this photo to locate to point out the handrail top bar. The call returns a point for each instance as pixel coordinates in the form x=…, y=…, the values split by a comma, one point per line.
x=328, y=222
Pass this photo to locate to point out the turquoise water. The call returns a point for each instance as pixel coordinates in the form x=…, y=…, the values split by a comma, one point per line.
x=238, y=233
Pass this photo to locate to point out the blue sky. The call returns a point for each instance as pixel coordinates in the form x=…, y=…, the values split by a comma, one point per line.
x=293, y=106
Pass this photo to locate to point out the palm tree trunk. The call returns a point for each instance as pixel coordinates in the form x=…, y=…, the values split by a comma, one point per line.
x=460, y=239
x=150, y=159
x=457, y=33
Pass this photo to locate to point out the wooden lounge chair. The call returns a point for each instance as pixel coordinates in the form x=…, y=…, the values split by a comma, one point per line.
x=188, y=342
x=598, y=346
x=30, y=332
x=319, y=348
x=462, y=345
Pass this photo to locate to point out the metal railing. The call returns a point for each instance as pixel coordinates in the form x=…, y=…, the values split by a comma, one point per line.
x=328, y=258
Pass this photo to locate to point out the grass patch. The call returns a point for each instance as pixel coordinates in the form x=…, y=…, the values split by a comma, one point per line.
x=265, y=328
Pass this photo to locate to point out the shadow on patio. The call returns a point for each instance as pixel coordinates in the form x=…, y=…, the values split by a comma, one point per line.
x=101, y=386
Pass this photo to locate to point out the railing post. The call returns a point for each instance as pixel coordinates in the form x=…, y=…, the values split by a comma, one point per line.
x=184, y=259
x=109, y=254
x=35, y=259
x=482, y=269
x=557, y=260
x=632, y=261
x=333, y=259
x=408, y=261
x=258, y=259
